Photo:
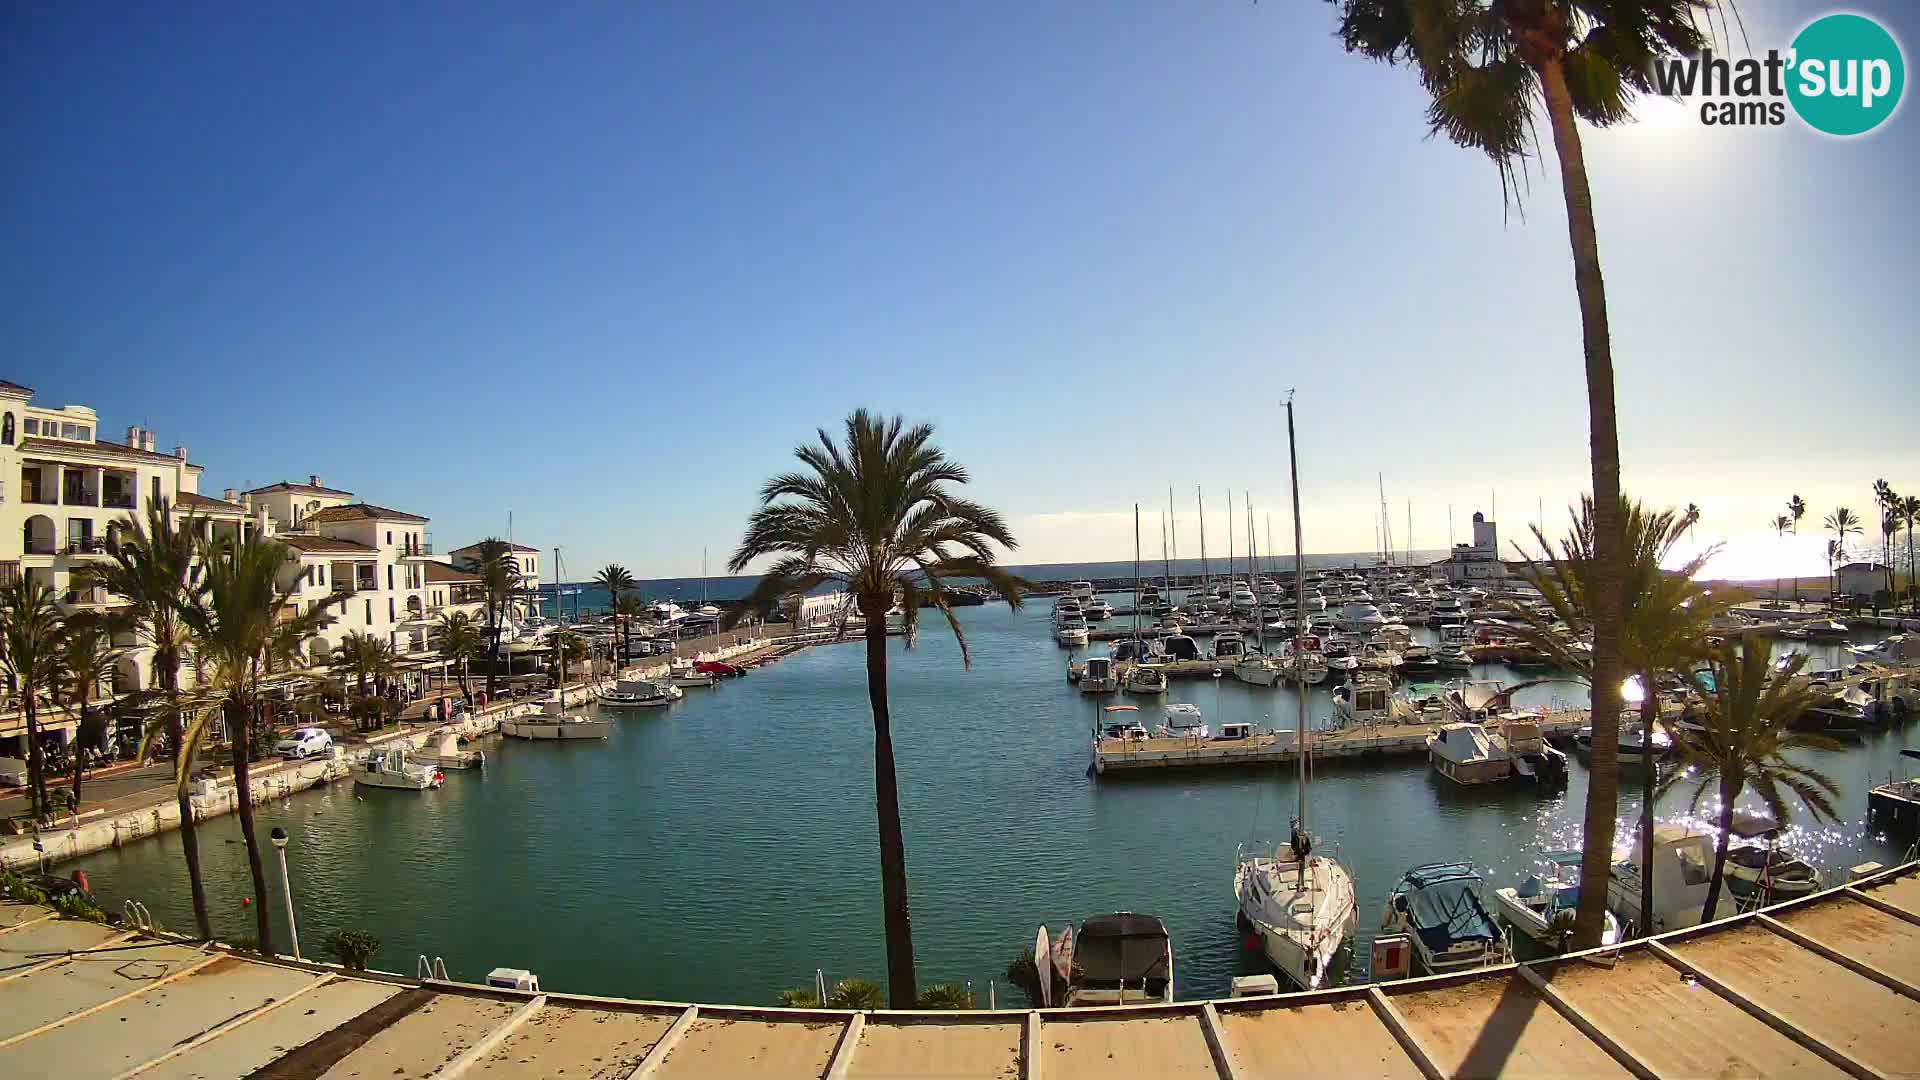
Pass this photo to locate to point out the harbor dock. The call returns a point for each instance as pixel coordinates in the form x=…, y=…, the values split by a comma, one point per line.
x=1826, y=985
x=1381, y=740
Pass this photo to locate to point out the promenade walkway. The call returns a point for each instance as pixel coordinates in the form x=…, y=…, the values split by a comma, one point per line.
x=1827, y=986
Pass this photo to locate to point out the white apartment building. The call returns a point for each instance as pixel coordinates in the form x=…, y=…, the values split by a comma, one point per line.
x=1479, y=562
x=529, y=561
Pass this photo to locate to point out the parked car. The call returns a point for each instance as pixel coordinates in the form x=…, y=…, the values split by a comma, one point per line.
x=304, y=743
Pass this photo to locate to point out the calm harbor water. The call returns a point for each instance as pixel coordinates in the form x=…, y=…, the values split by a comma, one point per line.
x=724, y=848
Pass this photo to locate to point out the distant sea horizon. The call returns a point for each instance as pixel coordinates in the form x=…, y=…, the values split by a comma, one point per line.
x=592, y=598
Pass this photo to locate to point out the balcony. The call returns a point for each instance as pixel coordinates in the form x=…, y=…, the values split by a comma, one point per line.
x=39, y=498
x=89, y=598
x=9, y=571
x=117, y=500
x=87, y=546
x=420, y=550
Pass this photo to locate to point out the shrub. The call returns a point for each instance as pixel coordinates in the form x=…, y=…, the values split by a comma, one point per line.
x=946, y=996
x=857, y=994
x=353, y=948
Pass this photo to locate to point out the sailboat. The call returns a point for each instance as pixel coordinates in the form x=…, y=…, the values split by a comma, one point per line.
x=1300, y=902
x=705, y=610
x=1142, y=677
x=1256, y=667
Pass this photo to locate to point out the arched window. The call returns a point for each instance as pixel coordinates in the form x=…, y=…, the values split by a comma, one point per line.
x=6, y=430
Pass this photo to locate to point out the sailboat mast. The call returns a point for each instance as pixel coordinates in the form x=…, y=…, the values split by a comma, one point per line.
x=559, y=639
x=1201, y=502
x=1230, y=531
x=1136, y=579
x=1253, y=573
x=1299, y=620
x=1166, y=568
x=1173, y=536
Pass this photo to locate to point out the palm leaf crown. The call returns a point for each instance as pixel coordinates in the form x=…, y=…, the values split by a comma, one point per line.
x=876, y=515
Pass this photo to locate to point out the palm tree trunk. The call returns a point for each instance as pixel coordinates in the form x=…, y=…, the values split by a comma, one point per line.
x=493, y=649
x=1649, y=715
x=902, y=993
x=1603, y=788
x=79, y=757
x=36, y=763
x=189, y=828
x=466, y=687
x=1727, y=798
x=240, y=719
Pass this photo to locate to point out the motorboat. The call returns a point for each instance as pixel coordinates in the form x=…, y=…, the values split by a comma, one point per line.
x=1242, y=599
x=1635, y=747
x=683, y=672
x=554, y=722
x=1438, y=906
x=1176, y=647
x=1067, y=610
x=1378, y=656
x=1099, y=676
x=640, y=694
x=1845, y=713
x=1255, y=669
x=1535, y=760
x=449, y=754
x=1146, y=679
x=1081, y=591
x=1301, y=905
x=1073, y=633
x=1118, y=959
x=1183, y=722
x=1417, y=660
x=391, y=769
x=1543, y=906
x=1229, y=645
x=1758, y=871
x=1467, y=754
x=1097, y=609
x=1827, y=630
x=1682, y=872
x=1366, y=699
x=1358, y=617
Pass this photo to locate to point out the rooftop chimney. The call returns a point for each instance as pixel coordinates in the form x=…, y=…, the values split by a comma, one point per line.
x=146, y=441
x=232, y=495
x=133, y=436
x=180, y=452
x=313, y=480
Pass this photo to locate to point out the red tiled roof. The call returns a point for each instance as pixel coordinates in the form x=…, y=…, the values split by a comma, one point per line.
x=359, y=512
x=302, y=542
x=441, y=573
x=510, y=547
x=303, y=489
x=196, y=501
x=36, y=442
x=5, y=385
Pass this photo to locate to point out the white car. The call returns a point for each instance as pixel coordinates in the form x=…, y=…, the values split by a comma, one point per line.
x=305, y=742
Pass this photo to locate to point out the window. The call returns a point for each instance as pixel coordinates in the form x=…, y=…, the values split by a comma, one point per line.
x=6, y=430
x=33, y=426
x=391, y=617
x=323, y=572
x=389, y=575
x=369, y=613
x=86, y=434
x=389, y=536
x=156, y=489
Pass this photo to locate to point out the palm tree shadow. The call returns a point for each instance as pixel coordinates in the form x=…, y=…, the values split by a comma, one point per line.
x=1501, y=1033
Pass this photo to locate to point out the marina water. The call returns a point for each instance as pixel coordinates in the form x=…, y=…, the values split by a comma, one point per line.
x=722, y=849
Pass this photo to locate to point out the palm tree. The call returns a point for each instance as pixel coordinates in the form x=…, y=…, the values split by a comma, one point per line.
x=1780, y=526
x=499, y=574
x=243, y=615
x=1691, y=518
x=568, y=649
x=88, y=658
x=1743, y=740
x=364, y=657
x=615, y=579
x=31, y=635
x=1888, y=502
x=459, y=640
x=1797, y=507
x=1910, y=513
x=152, y=570
x=1842, y=523
x=1668, y=617
x=1487, y=66
x=629, y=609
x=878, y=516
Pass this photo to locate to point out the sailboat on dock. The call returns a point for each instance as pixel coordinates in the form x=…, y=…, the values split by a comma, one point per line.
x=1300, y=902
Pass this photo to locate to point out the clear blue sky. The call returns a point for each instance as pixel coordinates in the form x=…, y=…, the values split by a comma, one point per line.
x=603, y=265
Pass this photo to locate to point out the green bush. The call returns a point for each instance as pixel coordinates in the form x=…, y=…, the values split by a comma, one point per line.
x=244, y=942
x=847, y=994
x=18, y=888
x=353, y=948
x=75, y=906
x=946, y=996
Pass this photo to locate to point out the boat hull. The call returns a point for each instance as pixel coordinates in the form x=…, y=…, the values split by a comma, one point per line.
x=555, y=730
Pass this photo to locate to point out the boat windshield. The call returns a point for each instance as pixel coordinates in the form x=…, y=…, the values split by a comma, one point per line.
x=1112, y=950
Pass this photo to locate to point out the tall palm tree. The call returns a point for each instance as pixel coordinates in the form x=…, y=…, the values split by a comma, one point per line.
x=1488, y=66
x=460, y=640
x=242, y=616
x=1887, y=501
x=629, y=609
x=365, y=657
x=618, y=582
x=1889, y=528
x=31, y=638
x=1780, y=526
x=88, y=658
x=1743, y=740
x=568, y=649
x=1668, y=617
x=1691, y=518
x=152, y=570
x=878, y=516
x=499, y=574
x=1842, y=523
x=1797, y=508
x=1910, y=513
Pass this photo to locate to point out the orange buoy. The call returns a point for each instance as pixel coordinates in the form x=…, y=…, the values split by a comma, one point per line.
x=79, y=878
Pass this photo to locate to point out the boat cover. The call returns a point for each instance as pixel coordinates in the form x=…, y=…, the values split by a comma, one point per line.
x=1122, y=946
x=1443, y=905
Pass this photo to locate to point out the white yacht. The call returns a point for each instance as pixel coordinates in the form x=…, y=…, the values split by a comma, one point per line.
x=1183, y=722
x=1099, y=676
x=391, y=769
x=1229, y=645
x=1066, y=610
x=1256, y=669
x=449, y=755
x=640, y=693
x=1358, y=617
x=1366, y=699
x=554, y=722
x=1146, y=679
x=1081, y=591
x=1548, y=897
x=1682, y=872
x=684, y=672
x=1097, y=609
x=1073, y=632
x=1242, y=599
x=1467, y=755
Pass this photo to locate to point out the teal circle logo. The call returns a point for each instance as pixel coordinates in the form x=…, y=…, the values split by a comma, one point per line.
x=1846, y=76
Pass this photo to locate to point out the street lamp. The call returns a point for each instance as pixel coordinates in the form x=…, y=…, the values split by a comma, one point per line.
x=279, y=837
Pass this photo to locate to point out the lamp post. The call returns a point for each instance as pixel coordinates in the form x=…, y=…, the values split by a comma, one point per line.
x=279, y=837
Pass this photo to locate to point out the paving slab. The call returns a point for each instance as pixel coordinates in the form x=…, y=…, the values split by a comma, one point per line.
x=1342, y=1039
x=30, y=945
x=1851, y=1013
x=575, y=1044
x=1902, y=892
x=12, y=915
x=142, y=1028
x=85, y=981
x=273, y=1035
x=420, y=1042
x=1864, y=933
x=938, y=1049
x=1699, y=1033
x=728, y=1048
x=1500, y=1027
x=1162, y=1046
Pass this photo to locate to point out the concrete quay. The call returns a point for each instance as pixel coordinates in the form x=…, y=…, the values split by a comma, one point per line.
x=1382, y=740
